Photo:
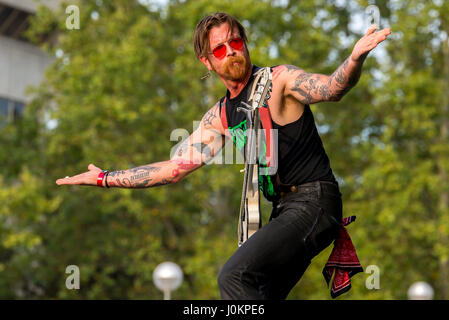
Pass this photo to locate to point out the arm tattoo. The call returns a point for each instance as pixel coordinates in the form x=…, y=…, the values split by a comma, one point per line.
x=312, y=88
x=140, y=177
x=291, y=68
x=202, y=148
x=141, y=173
x=184, y=165
x=142, y=184
x=340, y=74
x=162, y=183
x=147, y=168
x=282, y=68
x=309, y=86
x=345, y=79
x=210, y=116
x=182, y=148
x=116, y=173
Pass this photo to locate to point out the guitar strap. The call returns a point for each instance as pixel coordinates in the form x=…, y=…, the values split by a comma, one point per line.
x=224, y=120
x=267, y=126
x=265, y=118
x=269, y=178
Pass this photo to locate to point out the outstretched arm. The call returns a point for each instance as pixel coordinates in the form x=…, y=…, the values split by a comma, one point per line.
x=310, y=88
x=200, y=147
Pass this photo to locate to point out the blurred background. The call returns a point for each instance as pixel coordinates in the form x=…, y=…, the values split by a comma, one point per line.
x=111, y=92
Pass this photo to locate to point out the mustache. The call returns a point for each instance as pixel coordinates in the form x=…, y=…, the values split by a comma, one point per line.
x=231, y=60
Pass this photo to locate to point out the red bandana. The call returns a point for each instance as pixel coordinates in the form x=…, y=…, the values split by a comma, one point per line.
x=343, y=260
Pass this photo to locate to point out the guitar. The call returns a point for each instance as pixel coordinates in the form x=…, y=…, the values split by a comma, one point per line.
x=250, y=219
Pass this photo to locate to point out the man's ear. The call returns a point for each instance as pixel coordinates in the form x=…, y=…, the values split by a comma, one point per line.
x=206, y=62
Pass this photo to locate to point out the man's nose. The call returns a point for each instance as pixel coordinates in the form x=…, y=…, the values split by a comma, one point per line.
x=230, y=51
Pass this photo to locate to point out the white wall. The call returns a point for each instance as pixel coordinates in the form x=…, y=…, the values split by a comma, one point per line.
x=30, y=5
x=21, y=64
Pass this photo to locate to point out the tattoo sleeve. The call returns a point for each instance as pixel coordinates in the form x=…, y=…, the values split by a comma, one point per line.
x=152, y=175
x=344, y=78
x=312, y=87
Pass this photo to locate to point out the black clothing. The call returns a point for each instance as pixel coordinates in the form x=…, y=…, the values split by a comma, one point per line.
x=302, y=223
x=272, y=260
x=301, y=155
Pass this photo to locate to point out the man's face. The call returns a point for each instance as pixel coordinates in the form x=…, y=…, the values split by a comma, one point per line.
x=235, y=63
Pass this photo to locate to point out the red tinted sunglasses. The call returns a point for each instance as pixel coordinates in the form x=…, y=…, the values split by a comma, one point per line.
x=220, y=51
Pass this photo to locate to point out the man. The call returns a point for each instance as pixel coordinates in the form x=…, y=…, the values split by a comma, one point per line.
x=307, y=206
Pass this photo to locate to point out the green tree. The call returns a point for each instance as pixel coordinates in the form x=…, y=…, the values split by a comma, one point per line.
x=404, y=191
x=126, y=80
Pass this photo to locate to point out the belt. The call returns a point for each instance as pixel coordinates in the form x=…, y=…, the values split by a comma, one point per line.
x=307, y=187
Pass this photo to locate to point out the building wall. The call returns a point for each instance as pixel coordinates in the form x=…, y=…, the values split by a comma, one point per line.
x=30, y=5
x=21, y=64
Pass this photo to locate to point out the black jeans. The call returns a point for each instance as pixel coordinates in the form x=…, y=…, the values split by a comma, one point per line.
x=270, y=263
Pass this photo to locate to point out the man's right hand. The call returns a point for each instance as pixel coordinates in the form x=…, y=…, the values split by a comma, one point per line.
x=88, y=178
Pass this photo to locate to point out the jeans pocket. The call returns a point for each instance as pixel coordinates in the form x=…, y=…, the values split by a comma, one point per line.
x=306, y=217
x=322, y=234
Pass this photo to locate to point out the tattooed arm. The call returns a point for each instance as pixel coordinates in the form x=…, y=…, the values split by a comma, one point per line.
x=310, y=88
x=199, y=148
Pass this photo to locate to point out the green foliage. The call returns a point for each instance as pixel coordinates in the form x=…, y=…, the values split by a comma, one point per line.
x=129, y=78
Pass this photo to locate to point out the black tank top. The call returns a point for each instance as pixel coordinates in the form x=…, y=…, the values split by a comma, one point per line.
x=301, y=154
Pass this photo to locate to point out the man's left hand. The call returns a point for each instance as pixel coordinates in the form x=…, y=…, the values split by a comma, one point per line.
x=368, y=42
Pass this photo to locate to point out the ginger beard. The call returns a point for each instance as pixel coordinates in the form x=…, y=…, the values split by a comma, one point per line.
x=235, y=68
